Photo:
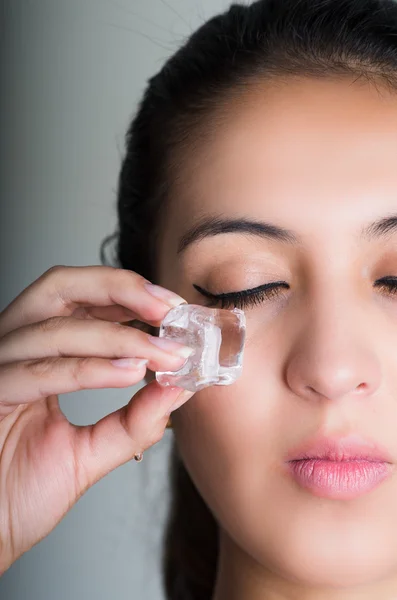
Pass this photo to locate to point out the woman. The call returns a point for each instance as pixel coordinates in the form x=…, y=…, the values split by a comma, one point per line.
x=259, y=173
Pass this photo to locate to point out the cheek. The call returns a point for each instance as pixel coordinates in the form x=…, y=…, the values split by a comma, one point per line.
x=222, y=429
x=229, y=438
x=220, y=422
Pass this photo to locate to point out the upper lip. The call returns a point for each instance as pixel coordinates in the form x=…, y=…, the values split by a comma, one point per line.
x=351, y=447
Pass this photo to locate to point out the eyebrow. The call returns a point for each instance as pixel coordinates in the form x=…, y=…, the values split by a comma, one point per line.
x=211, y=226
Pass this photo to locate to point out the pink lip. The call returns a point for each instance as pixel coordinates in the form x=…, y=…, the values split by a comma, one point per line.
x=351, y=447
x=340, y=468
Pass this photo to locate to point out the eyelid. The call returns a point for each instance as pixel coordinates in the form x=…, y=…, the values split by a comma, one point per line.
x=269, y=291
x=247, y=292
x=245, y=298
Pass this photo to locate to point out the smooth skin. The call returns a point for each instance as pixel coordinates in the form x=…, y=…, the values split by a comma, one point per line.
x=317, y=157
x=60, y=335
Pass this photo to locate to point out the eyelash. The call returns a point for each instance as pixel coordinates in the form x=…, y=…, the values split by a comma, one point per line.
x=252, y=297
x=244, y=298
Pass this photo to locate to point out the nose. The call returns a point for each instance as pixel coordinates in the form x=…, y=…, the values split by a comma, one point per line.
x=334, y=358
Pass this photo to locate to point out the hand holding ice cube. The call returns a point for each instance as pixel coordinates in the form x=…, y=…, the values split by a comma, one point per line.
x=61, y=334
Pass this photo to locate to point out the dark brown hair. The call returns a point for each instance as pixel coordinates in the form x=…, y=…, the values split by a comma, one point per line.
x=244, y=45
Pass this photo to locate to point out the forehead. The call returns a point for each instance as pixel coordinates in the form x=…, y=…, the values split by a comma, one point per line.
x=302, y=153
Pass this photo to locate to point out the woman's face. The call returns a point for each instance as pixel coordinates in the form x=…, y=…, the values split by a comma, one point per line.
x=319, y=159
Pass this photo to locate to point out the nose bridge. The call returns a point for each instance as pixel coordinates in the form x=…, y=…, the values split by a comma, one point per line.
x=333, y=310
x=334, y=295
x=333, y=355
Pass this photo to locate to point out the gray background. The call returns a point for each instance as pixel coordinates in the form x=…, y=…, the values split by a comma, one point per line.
x=71, y=73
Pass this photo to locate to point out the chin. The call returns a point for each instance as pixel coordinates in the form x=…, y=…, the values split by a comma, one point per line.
x=325, y=553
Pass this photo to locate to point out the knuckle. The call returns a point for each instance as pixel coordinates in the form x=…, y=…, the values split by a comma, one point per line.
x=121, y=329
x=156, y=435
x=53, y=270
x=127, y=336
x=126, y=277
x=39, y=367
x=79, y=371
x=150, y=439
x=127, y=333
x=50, y=283
x=52, y=324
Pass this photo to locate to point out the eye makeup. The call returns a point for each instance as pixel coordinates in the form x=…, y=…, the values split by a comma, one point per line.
x=389, y=284
x=254, y=296
x=244, y=298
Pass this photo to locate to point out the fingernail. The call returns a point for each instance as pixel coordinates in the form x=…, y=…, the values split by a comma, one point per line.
x=165, y=295
x=129, y=363
x=181, y=399
x=171, y=346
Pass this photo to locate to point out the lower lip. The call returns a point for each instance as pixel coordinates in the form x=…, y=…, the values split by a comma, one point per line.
x=341, y=480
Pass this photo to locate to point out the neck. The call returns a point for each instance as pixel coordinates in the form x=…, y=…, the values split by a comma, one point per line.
x=241, y=577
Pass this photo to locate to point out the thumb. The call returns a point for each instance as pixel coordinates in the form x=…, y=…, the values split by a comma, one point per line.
x=117, y=437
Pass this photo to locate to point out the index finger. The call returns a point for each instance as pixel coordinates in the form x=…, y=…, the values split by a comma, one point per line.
x=62, y=289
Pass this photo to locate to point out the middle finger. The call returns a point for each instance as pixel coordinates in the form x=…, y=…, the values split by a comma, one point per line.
x=70, y=337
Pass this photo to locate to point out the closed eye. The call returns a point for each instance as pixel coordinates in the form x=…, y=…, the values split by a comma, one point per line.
x=255, y=296
x=244, y=298
x=388, y=283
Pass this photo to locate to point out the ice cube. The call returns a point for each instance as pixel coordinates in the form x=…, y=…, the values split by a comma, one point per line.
x=218, y=337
